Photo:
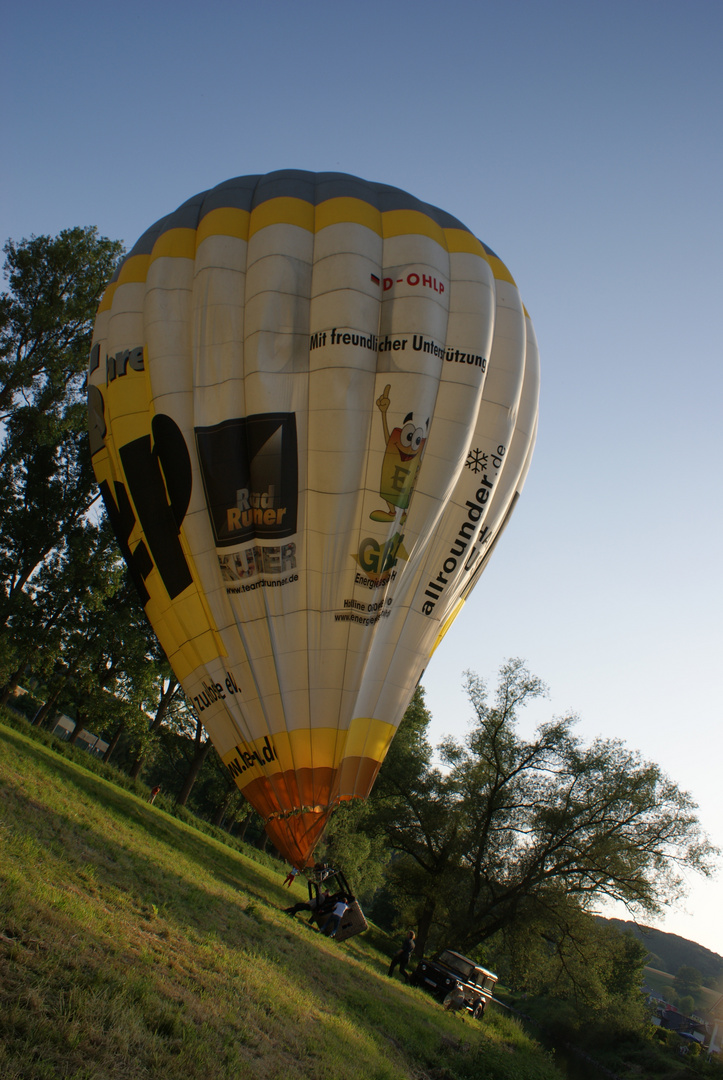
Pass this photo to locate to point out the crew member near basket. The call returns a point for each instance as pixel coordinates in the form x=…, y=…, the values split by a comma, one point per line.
x=403, y=956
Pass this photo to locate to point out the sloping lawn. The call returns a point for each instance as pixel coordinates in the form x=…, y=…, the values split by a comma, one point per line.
x=133, y=945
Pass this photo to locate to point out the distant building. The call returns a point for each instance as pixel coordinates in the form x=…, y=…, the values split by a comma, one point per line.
x=64, y=728
x=684, y=1026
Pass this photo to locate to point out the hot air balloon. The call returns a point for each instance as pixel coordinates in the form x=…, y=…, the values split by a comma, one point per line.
x=313, y=404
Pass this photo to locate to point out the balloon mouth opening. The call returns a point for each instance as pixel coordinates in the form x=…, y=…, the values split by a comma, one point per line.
x=284, y=815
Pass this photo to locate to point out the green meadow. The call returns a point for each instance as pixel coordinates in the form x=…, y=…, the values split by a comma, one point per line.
x=133, y=945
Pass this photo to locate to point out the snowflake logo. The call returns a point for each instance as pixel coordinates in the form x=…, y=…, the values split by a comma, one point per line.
x=476, y=461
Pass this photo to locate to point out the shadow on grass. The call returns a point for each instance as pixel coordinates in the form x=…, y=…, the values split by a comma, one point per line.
x=226, y=864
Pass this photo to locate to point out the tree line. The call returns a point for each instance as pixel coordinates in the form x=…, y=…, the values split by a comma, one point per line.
x=70, y=621
x=498, y=845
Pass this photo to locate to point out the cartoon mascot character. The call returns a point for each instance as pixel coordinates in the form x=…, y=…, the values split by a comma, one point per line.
x=402, y=458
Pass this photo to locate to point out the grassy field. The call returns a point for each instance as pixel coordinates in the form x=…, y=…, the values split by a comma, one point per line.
x=132, y=945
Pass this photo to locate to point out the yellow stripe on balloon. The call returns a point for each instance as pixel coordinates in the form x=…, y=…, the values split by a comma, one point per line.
x=134, y=269
x=176, y=244
x=228, y=221
x=225, y=221
x=463, y=241
x=500, y=270
x=282, y=211
x=411, y=223
x=459, y=240
x=106, y=301
x=368, y=738
x=304, y=749
x=341, y=211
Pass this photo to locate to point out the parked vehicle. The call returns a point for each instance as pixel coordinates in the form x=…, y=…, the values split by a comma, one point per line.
x=457, y=979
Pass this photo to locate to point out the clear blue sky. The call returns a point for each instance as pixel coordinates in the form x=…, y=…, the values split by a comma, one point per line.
x=582, y=141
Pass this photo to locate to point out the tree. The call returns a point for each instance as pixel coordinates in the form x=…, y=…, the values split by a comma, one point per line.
x=512, y=826
x=186, y=744
x=46, y=320
x=688, y=980
x=168, y=688
x=361, y=851
x=72, y=579
x=108, y=660
x=410, y=805
x=201, y=746
x=47, y=314
x=580, y=961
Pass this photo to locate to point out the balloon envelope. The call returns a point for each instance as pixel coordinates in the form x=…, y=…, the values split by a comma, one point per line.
x=313, y=403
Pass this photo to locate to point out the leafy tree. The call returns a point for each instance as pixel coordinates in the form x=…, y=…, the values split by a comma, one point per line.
x=688, y=980
x=410, y=753
x=46, y=320
x=66, y=612
x=408, y=798
x=47, y=492
x=201, y=746
x=70, y=580
x=572, y=957
x=359, y=849
x=168, y=690
x=107, y=654
x=512, y=826
x=216, y=791
x=186, y=747
x=47, y=314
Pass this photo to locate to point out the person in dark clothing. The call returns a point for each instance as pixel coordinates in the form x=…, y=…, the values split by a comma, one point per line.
x=402, y=957
x=310, y=905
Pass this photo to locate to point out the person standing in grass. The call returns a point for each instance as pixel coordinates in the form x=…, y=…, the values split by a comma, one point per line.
x=288, y=880
x=403, y=956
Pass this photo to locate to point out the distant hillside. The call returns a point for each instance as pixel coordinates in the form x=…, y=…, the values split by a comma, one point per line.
x=669, y=952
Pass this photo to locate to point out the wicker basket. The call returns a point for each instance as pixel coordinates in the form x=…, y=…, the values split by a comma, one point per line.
x=352, y=922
